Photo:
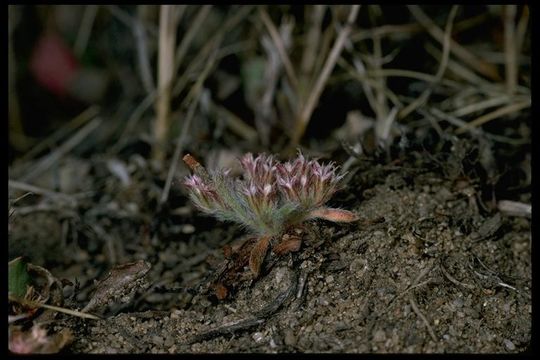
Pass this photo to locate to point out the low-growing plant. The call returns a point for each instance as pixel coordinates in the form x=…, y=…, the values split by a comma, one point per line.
x=268, y=198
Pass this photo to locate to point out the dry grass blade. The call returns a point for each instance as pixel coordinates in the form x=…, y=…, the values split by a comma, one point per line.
x=491, y=102
x=55, y=308
x=494, y=115
x=308, y=107
x=168, y=22
x=278, y=42
x=17, y=185
x=139, y=32
x=143, y=56
x=194, y=95
x=76, y=122
x=482, y=67
x=204, y=52
x=442, y=66
x=47, y=161
x=412, y=75
x=315, y=16
x=194, y=28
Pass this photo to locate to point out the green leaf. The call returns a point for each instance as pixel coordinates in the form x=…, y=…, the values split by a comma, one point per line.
x=18, y=277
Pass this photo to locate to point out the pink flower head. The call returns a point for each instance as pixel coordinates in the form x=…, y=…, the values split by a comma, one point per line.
x=268, y=192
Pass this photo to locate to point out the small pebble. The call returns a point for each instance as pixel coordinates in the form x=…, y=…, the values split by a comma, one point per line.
x=509, y=345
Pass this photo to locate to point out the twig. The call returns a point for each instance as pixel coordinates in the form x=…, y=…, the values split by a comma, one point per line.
x=257, y=318
x=421, y=316
x=494, y=115
x=278, y=42
x=511, y=66
x=308, y=107
x=47, y=161
x=449, y=277
x=477, y=64
x=442, y=67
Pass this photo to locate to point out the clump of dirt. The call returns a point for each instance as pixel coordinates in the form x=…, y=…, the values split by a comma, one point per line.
x=430, y=267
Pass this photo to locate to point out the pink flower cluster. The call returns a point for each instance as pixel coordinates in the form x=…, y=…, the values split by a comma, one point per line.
x=269, y=196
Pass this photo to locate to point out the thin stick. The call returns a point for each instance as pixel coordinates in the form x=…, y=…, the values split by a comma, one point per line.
x=421, y=316
x=421, y=100
x=449, y=277
x=482, y=67
x=278, y=42
x=494, y=115
x=47, y=161
x=55, y=308
x=510, y=54
x=309, y=106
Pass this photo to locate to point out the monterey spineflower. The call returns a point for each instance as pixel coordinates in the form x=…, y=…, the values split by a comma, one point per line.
x=268, y=198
